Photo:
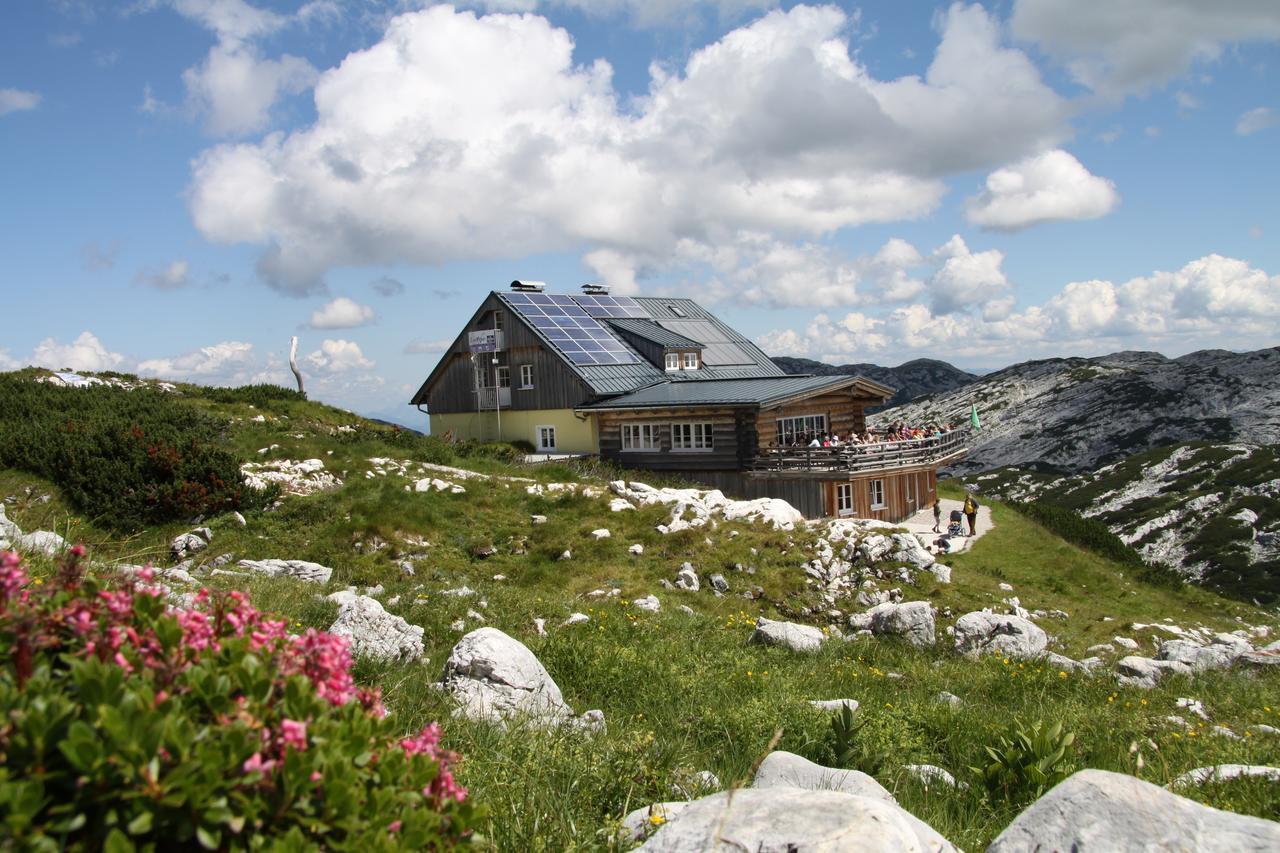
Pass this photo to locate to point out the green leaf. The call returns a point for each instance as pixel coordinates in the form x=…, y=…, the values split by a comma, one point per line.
x=209, y=839
x=117, y=843
x=140, y=824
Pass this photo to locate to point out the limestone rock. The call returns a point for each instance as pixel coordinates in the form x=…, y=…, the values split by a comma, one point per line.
x=1098, y=810
x=941, y=572
x=800, y=638
x=9, y=531
x=601, y=533
x=907, y=548
x=929, y=774
x=687, y=578
x=575, y=619
x=373, y=632
x=994, y=633
x=1198, y=658
x=787, y=819
x=496, y=678
x=636, y=550
x=649, y=604
x=643, y=822
x=1225, y=772
x=719, y=584
x=1136, y=671
x=299, y=569
x=834, y=704
x=782, y=769
x=912, y=621
x=40, y=542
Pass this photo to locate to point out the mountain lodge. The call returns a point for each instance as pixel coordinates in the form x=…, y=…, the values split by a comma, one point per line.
x=660, y=383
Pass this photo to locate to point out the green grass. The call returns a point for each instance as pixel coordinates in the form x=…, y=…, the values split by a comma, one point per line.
x=687, y=693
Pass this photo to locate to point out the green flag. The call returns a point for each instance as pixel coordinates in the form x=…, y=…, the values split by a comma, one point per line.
x=973, y=418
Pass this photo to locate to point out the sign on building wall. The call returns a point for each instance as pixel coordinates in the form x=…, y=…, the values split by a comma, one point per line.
x=485, y=340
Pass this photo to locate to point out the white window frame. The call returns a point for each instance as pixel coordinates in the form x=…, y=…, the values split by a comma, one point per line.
x=691, y=361
x=877, y=500
x=801, y=425
x=538, y=435
x=482, y=377
x=526, y=376
x=499, y=320
x=641, y=437
x=673, y=361
x=503, y=373
x=692, y=437
x=844, y=499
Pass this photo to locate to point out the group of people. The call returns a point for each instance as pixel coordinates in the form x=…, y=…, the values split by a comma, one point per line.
x=954, y=528
x=896, y=432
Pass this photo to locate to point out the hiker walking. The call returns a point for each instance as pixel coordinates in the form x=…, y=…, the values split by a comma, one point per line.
x=971, y=513
x=937, y=515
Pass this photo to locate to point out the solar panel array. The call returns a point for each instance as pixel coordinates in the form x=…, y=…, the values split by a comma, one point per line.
x=611, y=307
x=582, y=338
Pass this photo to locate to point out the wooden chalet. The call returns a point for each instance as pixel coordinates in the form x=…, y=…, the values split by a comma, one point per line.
x=661, y=384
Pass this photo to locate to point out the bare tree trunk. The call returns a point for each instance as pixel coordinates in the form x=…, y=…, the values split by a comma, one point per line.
x=293, y=363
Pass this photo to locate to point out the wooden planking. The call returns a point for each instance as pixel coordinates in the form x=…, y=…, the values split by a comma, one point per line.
x=844, y=411
x=905, y=493
x=726, y=453
x=555, y=386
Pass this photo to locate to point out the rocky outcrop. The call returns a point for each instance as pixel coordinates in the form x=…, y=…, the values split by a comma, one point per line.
x=692, y=508
x=299, y=569
x=1097, y=810
x=981, y=632
x=782, y=769
x=372, y=631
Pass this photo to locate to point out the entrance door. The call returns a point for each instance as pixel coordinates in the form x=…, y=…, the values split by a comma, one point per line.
x=546, y=439
x=911, y=494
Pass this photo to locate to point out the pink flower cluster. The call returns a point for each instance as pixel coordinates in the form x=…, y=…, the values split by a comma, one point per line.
x=13, y=581
x=427, y=742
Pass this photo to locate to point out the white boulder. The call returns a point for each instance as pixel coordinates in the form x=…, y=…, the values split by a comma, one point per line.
x=1000, y=634
x=495, y=678
x=373, y=632
x=648, y=604
x=40, y=542
x=913, y=621
x=299, y=569
x=799, y=638
x=1226, y=772
x=1098, y=810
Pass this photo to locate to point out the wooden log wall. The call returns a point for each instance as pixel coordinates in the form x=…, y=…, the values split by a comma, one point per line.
x=732, y=437
x=845, y=414
x=905, y=494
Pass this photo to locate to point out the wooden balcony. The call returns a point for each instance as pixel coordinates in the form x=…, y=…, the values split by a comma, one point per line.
x=861, y=458
x=488, y=399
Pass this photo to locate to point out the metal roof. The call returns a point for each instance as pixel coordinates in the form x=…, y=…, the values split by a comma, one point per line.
x=753, y=391
x=651, y=331
x=727, y=353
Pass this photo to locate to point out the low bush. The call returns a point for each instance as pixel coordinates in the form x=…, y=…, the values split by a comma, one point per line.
x=130, y=724
x=1026, y=762
x=125, y=458
x=259, y=396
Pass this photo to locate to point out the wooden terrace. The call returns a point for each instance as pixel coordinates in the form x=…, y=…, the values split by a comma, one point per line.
x=861, y=458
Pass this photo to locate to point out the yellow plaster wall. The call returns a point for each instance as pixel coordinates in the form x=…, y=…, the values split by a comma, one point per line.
x=572, y=434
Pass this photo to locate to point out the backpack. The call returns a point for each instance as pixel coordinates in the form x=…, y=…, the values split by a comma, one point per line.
x=970, y=506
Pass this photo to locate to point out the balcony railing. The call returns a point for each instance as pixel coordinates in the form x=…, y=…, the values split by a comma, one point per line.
x=856, y=458
x=488, y=399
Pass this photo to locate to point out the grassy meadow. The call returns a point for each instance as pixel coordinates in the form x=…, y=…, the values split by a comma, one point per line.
x=685, y=693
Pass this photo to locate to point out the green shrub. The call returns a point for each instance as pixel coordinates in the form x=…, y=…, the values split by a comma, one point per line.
x=130, y=725
x=1026, y=762
x=259, y=396
x=127, y=458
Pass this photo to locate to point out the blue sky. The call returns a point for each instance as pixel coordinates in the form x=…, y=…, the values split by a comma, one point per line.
x=188, y=183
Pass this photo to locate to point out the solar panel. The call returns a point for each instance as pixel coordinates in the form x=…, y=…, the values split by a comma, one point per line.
x=602, y=307
x=571, y=328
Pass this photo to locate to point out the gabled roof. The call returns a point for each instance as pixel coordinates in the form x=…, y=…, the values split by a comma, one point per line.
x=764, y=391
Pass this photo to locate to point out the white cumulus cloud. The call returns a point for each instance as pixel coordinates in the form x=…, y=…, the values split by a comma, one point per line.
x=84, y=353
x=339, y=356
x=235, y=87
x=225, y=363
x=1211, y=301
x=1259, y=118
x=425, y=150
x=1043, y=188
x=16, y=100
x=342, y=313
x=1120, y=48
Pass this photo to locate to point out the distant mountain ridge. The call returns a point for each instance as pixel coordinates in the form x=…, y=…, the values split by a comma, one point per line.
x=912, y=379
x=1072, y=415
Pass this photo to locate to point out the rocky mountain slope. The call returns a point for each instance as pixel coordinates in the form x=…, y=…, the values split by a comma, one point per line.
x=913, y=379
x=1072, y=415
x=1211, y=511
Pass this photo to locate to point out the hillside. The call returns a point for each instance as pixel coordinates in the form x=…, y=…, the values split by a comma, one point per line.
x=1074, y=415
x=653, y=624
x=1212, y=511
x=912, y=379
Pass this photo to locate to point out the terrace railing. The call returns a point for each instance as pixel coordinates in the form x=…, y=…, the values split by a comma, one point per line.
x=856, y=458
